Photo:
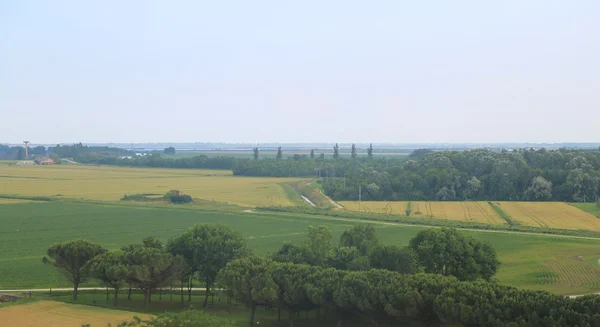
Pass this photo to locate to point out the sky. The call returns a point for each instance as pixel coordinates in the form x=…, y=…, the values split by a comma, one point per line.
x=299, y=71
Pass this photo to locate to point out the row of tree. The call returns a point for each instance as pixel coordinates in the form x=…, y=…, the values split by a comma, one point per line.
x=441, y=277
x=385, y=298
x=336, y=152
x=523, y=175
x=202, y=251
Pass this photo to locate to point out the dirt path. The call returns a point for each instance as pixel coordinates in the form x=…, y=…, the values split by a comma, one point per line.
x=335, y=204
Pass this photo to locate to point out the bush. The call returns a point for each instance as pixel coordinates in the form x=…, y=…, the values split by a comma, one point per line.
x=178, y=199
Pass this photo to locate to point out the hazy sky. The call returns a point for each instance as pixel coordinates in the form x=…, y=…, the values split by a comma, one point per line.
x=273, y=71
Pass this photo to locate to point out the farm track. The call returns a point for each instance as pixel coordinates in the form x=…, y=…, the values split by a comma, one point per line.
x=337, y=205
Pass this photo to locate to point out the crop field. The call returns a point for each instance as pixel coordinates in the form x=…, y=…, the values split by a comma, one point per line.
x=550, y=214
x=557, y=215
x=28, y=229
x=12, y=201
x=476, y=211
x=59, y=314
x=111, y=183
x=396, y=207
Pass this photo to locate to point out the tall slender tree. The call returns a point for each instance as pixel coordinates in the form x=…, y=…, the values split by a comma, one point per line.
x=279, y=153
x=336, y=151
x=312, y=153
x=353, y=154
x=370, y=151
x=255, y=153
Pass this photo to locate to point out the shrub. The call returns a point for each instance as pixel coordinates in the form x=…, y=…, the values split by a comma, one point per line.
x=177, y=198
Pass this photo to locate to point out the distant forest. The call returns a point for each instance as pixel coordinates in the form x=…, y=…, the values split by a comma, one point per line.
x=521, y=175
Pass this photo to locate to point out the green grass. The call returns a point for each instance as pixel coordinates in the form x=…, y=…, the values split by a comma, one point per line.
x=502, y=214
x=28, y=229
x=588, y=207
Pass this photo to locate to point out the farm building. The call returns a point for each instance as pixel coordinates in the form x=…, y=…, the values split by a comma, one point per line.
x=26, y=163
x=46, y=161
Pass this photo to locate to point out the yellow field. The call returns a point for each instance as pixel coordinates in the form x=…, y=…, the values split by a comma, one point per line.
x=376, y=206
x=480, y=212
x=111, y=183
x=472, y=211
x=538, y=214
x=58, y=314
x=550, y=214
x=12, y=201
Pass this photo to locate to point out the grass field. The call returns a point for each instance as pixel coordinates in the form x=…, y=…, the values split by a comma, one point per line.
x=527, y=260
x=550, y=214
x=111, y=183
x=59, y=314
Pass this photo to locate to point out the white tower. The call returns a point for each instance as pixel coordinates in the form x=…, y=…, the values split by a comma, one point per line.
x=26, y=150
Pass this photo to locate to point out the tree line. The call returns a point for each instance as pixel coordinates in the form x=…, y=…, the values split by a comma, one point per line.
x=520, y=175
x=441, y=277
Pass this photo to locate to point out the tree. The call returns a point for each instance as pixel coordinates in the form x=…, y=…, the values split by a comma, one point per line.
x=207, y=248
x=336, y=151
x=348, y=258
x=540, y=189
x=322, y=156
x=290, y=280
x=110, y=268
x=169, y=150
x=321, y=285
x=312, y=153
x=279, y=153
x=150, y=268
x=394, y=258
x=319, y=243
x=362, y=237
x=20, y=153
x=296, y=253
x=255, y=153
x=55, y=157
x=472, y=188
x=70, y=257
x=450, y=253
x=250, y=281
x=370, y=151
x=353, y=153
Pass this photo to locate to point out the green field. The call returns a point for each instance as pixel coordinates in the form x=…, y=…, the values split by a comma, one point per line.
x=588, y=207
x=561, y=264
